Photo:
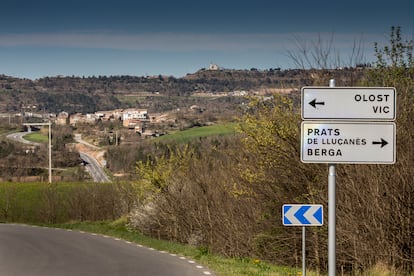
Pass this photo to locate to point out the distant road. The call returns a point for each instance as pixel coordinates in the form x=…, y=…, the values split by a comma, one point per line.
x=92, y=165
x=18, y=137
x=94, y=169
x=38, y=251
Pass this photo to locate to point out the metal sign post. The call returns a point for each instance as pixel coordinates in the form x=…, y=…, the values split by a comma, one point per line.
x=331, y=213
x=303, y=251
x=49, y=144
x=332, y=220
x=357, y=128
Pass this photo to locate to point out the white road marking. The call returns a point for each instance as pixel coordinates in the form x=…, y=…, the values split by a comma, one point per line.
x=128, y=242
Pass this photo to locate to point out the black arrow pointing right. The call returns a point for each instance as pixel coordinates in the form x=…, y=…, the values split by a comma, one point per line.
x=314, y=103
x=382, y=143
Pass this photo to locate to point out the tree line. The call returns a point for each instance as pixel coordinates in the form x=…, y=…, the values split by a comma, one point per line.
x=90, y=94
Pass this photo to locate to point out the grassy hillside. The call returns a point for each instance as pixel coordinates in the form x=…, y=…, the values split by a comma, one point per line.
x=199, y=132
x=37, y=137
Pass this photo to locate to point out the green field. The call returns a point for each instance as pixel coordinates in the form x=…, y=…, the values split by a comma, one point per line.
x=185, y=136
x=36, y=137
x=27, y=202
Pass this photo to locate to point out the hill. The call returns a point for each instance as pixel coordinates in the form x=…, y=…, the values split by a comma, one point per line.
x=89, y=94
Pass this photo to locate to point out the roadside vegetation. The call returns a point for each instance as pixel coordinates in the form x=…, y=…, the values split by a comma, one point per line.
x=226, y=194
x=97, y=208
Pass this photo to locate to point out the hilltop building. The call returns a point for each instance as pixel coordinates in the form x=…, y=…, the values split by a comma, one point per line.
x=213, y=67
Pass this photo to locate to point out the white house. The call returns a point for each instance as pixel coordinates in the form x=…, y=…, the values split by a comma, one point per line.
x=132, y=113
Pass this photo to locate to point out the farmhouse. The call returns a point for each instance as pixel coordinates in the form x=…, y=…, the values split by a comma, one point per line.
x=133, y=113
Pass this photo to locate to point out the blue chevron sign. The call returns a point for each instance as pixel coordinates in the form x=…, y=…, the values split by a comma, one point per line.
x=302, y=215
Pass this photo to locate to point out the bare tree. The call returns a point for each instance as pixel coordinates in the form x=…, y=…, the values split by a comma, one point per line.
x=321, y=53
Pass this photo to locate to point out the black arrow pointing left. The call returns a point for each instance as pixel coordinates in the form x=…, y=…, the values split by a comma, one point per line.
x=314, y=103
x=382, y=143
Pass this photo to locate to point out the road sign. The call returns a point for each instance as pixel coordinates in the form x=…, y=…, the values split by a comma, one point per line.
x=349, y=103
x=302, y=215
x=348, y=142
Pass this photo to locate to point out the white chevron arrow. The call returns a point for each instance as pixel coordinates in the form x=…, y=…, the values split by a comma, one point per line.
x=290, y=214
x=297, y=216
x=310, y=214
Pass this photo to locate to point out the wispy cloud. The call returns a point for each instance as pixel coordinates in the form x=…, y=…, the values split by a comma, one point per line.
x=165, y=41
x=152, y=41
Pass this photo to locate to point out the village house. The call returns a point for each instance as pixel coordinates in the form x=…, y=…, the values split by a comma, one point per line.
x=109, y=115
x=133, y=113
x=79, y=118
x=91, y=118
x=62, y=118
x=76, y=118
x=117, y=114
x=131, y=118
x=136, y=125
x=135, y=119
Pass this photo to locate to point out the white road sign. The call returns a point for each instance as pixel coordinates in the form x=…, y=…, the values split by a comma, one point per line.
x=348, y=142
x=350, y=103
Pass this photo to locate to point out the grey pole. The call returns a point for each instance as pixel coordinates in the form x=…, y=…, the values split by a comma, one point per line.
x=332, y=213
x=50, y=143
x=50, y=152
x=303, y=251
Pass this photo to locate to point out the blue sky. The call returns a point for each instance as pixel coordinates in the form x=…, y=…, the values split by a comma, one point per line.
x=124, y=37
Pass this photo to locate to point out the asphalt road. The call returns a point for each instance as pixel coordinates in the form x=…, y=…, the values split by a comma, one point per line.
x=38, y=251
x=18, y=136
x=92, y=165
x=94, y=169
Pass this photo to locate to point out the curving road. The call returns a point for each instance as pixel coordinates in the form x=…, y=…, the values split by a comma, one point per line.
x=92, y=165
x=18, y=136
x=38, y=251
x=94, y=169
